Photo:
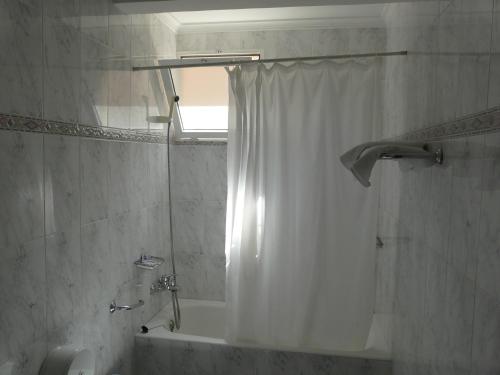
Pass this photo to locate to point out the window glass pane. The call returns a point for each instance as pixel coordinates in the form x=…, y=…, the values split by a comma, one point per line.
x=204, y=98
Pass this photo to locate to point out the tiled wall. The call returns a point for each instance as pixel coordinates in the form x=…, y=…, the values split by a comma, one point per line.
x=199, y=188
x=71, y=61
x=199, y=177
x=285, y=43
x=162, y=356
x=76, y=212
x=443, y=220
x=75, y=215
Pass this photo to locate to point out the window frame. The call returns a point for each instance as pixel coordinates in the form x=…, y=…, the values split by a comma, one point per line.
x=181, y=135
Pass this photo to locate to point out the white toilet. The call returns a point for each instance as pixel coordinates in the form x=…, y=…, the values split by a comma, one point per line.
x=69, y=360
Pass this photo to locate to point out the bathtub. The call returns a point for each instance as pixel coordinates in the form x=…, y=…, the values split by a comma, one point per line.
x=203, y=324
x=201, y=321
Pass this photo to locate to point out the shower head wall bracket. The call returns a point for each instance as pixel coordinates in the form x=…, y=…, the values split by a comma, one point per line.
x=164, y=119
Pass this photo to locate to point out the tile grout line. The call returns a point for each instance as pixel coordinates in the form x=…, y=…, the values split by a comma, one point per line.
x=44, y=159
x=80, y=244
x=477, y=247
x=44, y=35
x=491, y=53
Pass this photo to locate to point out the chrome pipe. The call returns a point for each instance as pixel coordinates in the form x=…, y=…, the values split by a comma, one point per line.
x=171, y=280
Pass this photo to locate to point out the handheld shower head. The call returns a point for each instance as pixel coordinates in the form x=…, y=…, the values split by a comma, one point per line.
x=361, y=159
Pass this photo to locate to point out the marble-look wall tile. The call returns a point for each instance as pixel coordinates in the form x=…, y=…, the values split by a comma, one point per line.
x=458, y=321
x=141, y=44
x=119, y=71
x=494, y=89
x=96, y=262
x=214, y=288
x=140, y=100
x=62, y=183
x=71, y=61
x=199, y=188
x=21, y=73
x=385, y=278
x=163, y=41
x=437, y=226
x=158, y=173
x=188, y=226
x=21, y=184
x=23, y=285
x=188, y=172
x=191, y=274
x=62, y=60
x=331, y=41
x=215, y=187
x=120, y=77
x=466, y=194
x=94, y=180
x=475, y=33
x=64, y=287
x=366, y=40
x=288, y=43
x=458, y=244
x=93, y=107
x=488, y=265
x=154, y=229
x=215, y=227
x=203, y=358
x=285, y=43
x=447, y=64
x=28, y=360
x=126, y=234
x=76, y=270
x=486, y=341
x=120, y=193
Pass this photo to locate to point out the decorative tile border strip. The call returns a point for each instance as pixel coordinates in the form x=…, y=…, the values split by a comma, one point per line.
x=202, y=142
x=487, y=121
x=36, y=125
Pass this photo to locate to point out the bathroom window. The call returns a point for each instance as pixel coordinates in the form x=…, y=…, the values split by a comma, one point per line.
x=204, y=98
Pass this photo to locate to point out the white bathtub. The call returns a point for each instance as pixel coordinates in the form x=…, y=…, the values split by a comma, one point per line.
x=203, y=321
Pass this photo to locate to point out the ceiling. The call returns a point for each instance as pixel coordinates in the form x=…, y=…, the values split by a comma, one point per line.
x=276, y=18
x=160, y=6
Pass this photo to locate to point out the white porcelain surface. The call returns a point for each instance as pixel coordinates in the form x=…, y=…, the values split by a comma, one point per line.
x=203, y=322
x=65, y=360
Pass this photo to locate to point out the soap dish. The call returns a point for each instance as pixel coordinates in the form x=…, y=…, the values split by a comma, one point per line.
x=149, y=262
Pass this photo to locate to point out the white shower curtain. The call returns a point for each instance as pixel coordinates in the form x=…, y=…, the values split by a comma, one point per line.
x=300, y=232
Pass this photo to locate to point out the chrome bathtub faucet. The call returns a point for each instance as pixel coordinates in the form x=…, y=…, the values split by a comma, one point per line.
x=166, y=282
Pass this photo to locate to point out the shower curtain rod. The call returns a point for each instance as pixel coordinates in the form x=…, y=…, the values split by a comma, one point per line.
x=207, y=62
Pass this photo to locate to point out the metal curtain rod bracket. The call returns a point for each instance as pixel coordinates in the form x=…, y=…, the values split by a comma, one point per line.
x=236, y=61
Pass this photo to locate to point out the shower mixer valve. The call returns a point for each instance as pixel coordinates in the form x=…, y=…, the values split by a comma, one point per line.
x=166, y=282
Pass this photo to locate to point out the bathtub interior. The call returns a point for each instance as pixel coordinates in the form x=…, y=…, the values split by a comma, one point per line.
x=203, y=321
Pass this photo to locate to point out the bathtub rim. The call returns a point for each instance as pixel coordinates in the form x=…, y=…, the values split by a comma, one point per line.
x=161, y=332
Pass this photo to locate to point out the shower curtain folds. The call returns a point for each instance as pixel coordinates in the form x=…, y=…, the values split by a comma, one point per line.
x=299, y=230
